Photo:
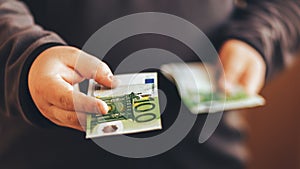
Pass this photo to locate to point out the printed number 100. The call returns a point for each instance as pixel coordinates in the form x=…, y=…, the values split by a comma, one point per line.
x=143, y=108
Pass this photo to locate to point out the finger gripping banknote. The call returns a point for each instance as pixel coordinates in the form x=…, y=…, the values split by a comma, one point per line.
x=197, y=86
x=133, y=106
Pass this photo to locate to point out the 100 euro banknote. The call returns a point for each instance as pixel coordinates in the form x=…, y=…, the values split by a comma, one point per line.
x=196, y=83
x=133, y=106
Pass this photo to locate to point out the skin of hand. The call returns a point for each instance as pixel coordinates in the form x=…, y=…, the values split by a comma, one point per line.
x=242, y=66
x=51, y=79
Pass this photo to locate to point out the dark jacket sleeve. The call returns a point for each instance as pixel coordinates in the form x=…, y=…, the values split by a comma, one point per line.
x=270, y=26
x=21, y=40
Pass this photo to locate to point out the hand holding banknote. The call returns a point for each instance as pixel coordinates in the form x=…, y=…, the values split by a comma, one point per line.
x=51, y=79
x=243, y=66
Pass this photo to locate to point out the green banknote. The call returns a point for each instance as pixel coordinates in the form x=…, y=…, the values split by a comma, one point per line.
x=133, y=106
x=196, y=83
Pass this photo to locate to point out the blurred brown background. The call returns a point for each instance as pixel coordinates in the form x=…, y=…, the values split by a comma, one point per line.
x=274, y=130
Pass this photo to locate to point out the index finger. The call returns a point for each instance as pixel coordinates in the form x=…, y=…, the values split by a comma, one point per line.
x=91, y=67
x=62, y=94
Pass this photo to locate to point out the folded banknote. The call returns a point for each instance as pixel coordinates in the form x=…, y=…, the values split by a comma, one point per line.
x=133, y=106
x=196, y=83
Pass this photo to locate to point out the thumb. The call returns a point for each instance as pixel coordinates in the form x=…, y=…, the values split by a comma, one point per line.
x=230, y=71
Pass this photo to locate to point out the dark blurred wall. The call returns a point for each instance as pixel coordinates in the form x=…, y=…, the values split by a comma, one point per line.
x=274, y=130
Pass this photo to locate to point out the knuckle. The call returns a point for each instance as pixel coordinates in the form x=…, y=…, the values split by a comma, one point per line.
x=59, y=123
x=47, y=112
x=86, y=108
x=103, y=67
x=68, y=51
x=71, y=117
x=102, y=64
x=66, y=102
x=44, y=110
x=72, y=50
x=39, y=91
x=36, y=91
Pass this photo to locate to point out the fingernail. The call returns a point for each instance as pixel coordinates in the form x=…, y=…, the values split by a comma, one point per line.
x=105, y=108
x=110, y=76
x=115, y=81
x=102, y=107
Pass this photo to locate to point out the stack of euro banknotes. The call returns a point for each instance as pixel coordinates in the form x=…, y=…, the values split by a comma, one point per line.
x=134, y=104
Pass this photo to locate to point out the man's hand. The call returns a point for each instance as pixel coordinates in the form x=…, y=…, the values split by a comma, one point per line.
x=51, y=79
x=243, y=66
